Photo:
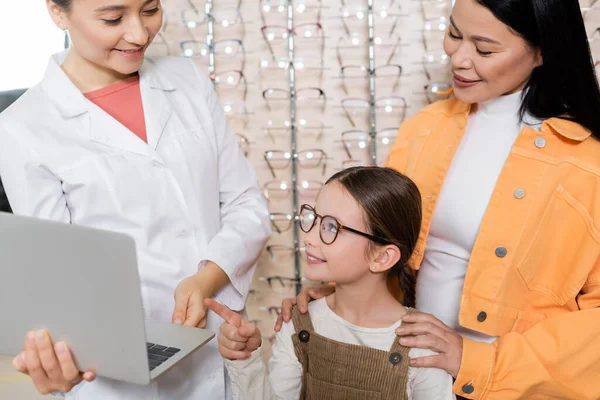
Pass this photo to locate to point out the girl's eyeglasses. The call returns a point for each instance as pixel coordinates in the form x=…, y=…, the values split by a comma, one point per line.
x=329, y=228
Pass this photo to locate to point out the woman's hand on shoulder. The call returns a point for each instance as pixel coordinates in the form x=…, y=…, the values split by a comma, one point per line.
x=305, y=296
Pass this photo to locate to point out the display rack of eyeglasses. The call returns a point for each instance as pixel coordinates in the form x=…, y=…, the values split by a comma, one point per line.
x=350, y=105
x=384, y=69
x=210, y=38
x=372, y=114
x=293, y=142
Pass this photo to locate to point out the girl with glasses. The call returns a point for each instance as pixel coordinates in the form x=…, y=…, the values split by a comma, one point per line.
x=360, y=235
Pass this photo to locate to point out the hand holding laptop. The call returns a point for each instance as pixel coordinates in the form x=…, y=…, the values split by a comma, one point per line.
x=51, y=368
x=238, y=338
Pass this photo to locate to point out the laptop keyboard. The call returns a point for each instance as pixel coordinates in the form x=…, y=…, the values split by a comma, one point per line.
x=158, y=354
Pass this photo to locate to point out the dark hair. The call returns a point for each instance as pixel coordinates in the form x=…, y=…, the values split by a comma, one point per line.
x=392, y=207
x=565, y=86
x=64, y=4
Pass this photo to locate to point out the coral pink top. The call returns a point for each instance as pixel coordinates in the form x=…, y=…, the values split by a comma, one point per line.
x=123, y=101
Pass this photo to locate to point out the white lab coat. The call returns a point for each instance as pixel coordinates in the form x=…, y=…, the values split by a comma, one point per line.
x=186, y=197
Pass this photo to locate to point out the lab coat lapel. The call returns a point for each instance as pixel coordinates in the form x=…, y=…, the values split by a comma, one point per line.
x=157, y=107
x=104, y=129
x=100, y=126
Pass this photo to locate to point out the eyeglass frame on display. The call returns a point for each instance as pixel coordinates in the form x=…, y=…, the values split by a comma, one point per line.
x=441, y=20
x=244, y=113
x=321, y=129
x=288, y=189
x=320, y=91
x=361, y=7
x=263, y=12
x=322, y=159
x=292, y=31
x=368, y=104
x=280, y=279
x=242, y=78
x=239, y=42
x=396, y=45
x=239, y=19
x=284, y=61
x=373, y=72
x=288, y=218
x=446, y=3
x=272, y=248
x=369, y=138
x=428, y=55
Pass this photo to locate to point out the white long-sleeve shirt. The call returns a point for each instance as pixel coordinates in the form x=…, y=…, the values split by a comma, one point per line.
x=489, y=136
x=251, y=381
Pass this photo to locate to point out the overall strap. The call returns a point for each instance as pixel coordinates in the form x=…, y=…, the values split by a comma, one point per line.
x=303, y=327
x=301, y=321
x=396, y=346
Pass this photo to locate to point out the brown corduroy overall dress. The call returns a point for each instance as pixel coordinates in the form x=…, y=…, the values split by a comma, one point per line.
x=338, y=371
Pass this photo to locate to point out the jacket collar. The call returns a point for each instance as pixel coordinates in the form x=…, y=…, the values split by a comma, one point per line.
x=71, y=102
x=558, y=126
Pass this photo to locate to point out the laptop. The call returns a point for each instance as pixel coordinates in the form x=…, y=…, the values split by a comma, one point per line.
x=82, y=285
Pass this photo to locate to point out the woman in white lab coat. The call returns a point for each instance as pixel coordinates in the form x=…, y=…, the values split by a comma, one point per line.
x=184, y=191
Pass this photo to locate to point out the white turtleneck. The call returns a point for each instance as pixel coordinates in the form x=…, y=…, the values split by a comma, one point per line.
x=491, y=131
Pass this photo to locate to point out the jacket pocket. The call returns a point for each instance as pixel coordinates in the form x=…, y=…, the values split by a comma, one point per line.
x=564, y=249
x=319, y=390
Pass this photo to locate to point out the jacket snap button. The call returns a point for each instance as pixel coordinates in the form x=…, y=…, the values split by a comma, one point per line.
x=519, y=193
x=304, y=336
x=468, y=389
x=482, y=316
x=501, y=252
x=395, y=358
x=540, y=142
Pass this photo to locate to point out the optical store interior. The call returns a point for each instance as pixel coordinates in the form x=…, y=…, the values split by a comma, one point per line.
x=308, y=88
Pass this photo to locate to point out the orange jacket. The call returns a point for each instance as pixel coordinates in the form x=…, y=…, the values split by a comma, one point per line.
x=534, y=274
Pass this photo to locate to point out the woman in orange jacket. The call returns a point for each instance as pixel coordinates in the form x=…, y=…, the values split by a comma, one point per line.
x=508, y=256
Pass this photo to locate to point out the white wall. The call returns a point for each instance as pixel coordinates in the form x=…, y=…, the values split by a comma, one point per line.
x=27, y=38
